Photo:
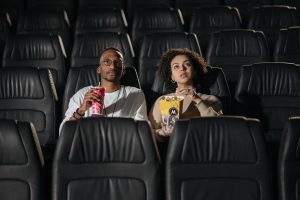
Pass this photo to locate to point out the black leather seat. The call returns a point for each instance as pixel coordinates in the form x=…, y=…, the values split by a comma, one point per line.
x=66, y=6
x=214, y=84
x=105, y=158
x=209, y=19
x=271, y=93
x=87, y=4
x=20, y=161
x=230, y=49
x=287, y=46
x=154, y=20
x=137, y=5
x=270, y=19
x=288, y=172
x=187, y=6
x=218, y=158
x=101, y=20
x=13, y=8
x=4, y=32
x=245, y=7
x=88, y=47
x=26, y=94
x=37, y=50
x=153, y=46
x=80, y=77
x=46, y=21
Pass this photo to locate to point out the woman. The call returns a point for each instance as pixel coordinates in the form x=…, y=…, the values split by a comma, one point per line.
x=186, y=69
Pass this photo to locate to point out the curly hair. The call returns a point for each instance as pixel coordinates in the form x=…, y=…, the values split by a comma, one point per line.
x=198, y=62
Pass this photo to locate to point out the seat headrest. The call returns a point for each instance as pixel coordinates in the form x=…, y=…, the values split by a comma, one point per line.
x=20, y=83
x=271, y=79
x=105, y=140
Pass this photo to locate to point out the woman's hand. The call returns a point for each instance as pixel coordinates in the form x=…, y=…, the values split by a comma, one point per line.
x=190, y=92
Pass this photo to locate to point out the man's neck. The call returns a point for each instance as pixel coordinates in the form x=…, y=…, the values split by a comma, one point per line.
x=110, y=87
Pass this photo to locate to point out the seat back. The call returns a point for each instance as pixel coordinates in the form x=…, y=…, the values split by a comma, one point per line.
x=187, y=7
x=209, y=19
x=230, y=49
x=4, y=32
x=288, y=164
x=20, y=161
x=153, y=20
x=270, y=19
x=217, y=158
x=136, y=5
x=46, y=21
x=214, y=84
x=87, y=4
x=88, y=47
x=105, y=158
x=36, y=50
x=26, y=94
x=287, y=46
x=271, y=93
x=245, y=7
x=80, y=77
x=101, y=20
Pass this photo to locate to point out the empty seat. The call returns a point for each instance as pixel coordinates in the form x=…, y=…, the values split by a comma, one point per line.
x=20, y=161
x=13, y=8
x=46, y=21
x=86, y=4
x=214, y=84
x=26, y=94
x=209, y=19
x=153, y=20
x=271, y=93
x=288, y=171
x=101, y=19
x=80, y=77
x=67, y=6
x=270, y=19
x=36, y=50
x=105, y=158
x=153, y=46
x=137, y=5
x=245, y=7
x=87, y=48
x=229, y=49
x=187, y=6
x=287, y=46
x=218, y=158
x=4, y=32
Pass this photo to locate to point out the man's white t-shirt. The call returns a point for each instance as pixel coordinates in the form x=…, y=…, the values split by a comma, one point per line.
x=126, y=102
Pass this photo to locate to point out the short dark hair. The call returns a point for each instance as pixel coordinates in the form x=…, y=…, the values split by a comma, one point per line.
x=198, y=62
x=111, y=49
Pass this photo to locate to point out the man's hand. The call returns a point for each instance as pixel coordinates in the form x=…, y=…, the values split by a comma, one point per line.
x=89, y=97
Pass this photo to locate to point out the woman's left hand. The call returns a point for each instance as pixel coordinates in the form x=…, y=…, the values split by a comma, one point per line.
x=189, y=91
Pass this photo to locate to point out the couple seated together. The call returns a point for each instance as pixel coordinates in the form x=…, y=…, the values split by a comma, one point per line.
x=180, y=67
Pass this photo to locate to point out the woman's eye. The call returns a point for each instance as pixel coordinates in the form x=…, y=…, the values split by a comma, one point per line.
x=188, y=64
x=175, y=66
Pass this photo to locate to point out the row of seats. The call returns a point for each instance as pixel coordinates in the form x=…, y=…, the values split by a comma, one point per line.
x=205, y=21
x=130, y=6
x=227, y=49
x=269, y=91
x=224, y=156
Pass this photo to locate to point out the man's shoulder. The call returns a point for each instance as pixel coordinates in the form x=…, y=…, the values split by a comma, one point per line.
x=130, y=89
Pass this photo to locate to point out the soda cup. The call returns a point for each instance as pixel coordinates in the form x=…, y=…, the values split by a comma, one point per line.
x=97, y=106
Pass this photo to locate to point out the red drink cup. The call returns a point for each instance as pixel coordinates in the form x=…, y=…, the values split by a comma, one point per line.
x=97, y=106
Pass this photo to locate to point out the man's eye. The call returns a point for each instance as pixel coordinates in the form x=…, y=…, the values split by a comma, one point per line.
x=107, y=62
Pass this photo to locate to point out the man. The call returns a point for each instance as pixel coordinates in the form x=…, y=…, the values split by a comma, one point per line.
x=119, y=100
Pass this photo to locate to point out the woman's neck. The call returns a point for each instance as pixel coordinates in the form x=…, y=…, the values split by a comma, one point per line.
x=185, y=85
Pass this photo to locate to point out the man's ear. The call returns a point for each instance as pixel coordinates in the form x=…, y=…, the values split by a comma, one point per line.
x=98, y=70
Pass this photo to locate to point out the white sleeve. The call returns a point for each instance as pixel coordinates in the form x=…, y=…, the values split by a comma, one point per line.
x=141, y=112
